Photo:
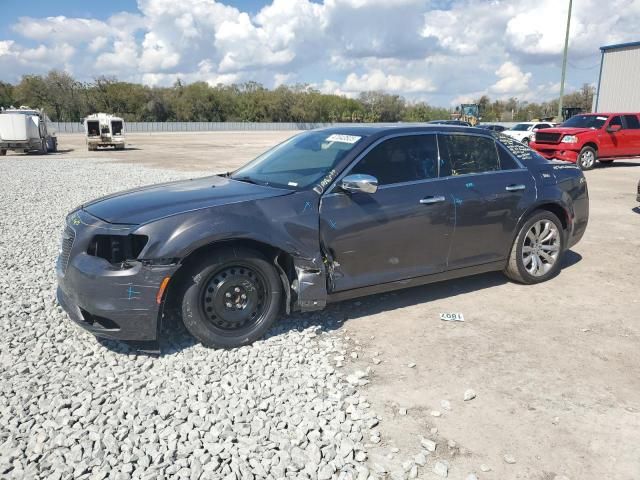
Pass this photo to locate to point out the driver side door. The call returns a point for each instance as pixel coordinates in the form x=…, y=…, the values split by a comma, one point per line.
x=402, y=230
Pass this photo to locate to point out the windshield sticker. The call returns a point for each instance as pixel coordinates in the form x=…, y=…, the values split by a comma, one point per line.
x=343, y=138
x=326, y=181
x=601, y=118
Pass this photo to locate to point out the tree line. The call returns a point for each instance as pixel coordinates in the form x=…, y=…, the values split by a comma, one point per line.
x=68, y=100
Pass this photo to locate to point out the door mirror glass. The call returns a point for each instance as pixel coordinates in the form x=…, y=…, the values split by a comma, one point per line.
x=359, y=183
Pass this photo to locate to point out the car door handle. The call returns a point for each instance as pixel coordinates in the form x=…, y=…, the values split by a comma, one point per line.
x=430, y=200
x=514, y=188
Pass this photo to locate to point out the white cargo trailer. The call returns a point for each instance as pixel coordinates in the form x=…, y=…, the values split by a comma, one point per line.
x=24, y=130
x=104, y=130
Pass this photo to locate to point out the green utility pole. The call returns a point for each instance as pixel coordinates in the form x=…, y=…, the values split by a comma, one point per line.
x=564, y=61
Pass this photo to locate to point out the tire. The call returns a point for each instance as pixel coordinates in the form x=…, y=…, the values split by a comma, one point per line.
x=606, y=162
x=587, y=158
x=525, y=141
x=231, y=298
x=536, y=267
x=119, y=147
x=43, y=147
x=3, y=153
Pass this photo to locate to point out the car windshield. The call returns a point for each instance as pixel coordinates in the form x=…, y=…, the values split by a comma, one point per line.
x=585, y=121
x=299, y=162
x=522, y=127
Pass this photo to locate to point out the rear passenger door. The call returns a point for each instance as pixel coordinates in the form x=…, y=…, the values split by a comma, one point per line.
x=632, y=134
x=490, y=191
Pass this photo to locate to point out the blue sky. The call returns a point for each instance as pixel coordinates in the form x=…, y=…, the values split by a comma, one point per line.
x=441, y=51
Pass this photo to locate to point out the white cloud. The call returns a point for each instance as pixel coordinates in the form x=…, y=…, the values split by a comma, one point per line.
x=416, y=48
x=378, y=80
x=512, y=80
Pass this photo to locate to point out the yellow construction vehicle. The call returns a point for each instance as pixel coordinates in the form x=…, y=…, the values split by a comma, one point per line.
x=467, y=112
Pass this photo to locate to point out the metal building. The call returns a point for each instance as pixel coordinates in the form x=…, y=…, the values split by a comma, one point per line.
x=619, y=81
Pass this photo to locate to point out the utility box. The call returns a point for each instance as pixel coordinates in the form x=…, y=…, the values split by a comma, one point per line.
x=618, y=85
x=104, y=130
x=25, y=130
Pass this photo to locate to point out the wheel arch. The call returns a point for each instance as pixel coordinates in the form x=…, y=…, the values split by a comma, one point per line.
x=590, y=144
x=556, y=208
x=283, y=262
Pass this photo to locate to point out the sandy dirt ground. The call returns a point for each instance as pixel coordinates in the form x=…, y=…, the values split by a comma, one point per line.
x=554, y=366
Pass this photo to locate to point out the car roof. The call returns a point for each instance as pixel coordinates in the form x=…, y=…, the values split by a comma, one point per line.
x=369, y=129
x=605, y=114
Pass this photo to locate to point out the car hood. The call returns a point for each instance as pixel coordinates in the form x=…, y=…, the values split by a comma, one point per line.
x=146, y=204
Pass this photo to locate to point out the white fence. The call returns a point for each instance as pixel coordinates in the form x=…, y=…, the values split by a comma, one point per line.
x=142, y=127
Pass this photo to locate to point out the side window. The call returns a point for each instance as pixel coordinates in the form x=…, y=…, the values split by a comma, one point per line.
x=617, y=120
x=632, y=122
x=507, y=162
x=401, y=159
x=462, y=154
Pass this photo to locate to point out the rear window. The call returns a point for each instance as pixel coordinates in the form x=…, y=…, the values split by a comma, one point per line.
x=506, y=161
x=465, y=154
x=632, y=122
x=517, y=149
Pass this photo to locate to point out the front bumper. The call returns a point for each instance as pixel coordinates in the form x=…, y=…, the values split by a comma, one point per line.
x=107, y=300
x=556, y=151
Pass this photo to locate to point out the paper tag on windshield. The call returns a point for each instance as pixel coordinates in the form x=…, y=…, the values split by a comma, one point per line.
x=343, y=138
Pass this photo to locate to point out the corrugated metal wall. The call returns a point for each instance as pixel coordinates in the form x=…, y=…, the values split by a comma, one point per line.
x=143, y=127
x=620, y=81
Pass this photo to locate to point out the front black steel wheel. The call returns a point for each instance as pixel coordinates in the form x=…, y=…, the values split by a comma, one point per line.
x=232, y=298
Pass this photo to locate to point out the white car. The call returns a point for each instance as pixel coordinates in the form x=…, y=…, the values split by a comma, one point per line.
x=523, y=132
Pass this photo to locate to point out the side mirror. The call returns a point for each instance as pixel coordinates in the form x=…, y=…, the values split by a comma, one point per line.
x=614, y=128
x=359, y=183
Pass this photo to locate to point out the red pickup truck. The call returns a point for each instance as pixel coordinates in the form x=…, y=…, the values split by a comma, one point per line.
x=585, y=138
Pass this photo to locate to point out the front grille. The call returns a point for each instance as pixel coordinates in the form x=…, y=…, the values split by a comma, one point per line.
x=546, y=137
x=68, y=237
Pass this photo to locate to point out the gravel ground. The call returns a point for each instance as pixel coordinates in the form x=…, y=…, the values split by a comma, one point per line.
x=553, y=365
x=71, y=407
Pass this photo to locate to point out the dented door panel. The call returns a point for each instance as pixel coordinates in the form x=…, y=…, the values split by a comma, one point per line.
x=385, y=236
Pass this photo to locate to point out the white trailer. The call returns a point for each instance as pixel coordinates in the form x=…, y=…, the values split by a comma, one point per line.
x=104, y=130
x=24, y=130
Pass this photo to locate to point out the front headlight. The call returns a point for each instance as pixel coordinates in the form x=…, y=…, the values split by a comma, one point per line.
x=569, y=139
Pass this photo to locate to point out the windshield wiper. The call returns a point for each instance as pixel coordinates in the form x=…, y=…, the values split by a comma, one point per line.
x=246, y=180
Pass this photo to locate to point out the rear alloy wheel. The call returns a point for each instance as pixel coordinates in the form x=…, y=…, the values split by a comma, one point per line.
x=587, y=158
x=538, y=249
x=231, y=299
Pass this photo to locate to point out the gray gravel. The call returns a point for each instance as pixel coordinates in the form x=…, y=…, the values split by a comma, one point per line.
x=71, y=407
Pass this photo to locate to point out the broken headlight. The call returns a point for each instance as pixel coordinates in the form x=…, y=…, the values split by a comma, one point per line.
x=117, y=248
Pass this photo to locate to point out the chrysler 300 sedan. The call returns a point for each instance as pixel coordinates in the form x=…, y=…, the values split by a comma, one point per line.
x=327, y=215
